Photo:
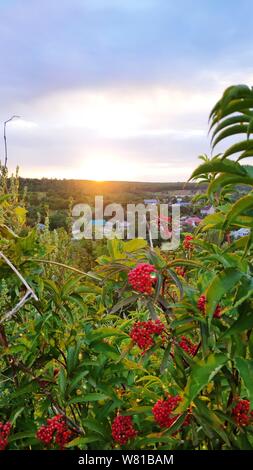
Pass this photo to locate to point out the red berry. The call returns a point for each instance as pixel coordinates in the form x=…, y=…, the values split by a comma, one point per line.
x=241, y=413
x=143, y=333
x=218, y=312
x=163, y=412
x=163, y=409
x=202, y=307
x=142, y=278
x=187, y=242
x=5, y=430
x=56, y=430
x=123, y=429
x=187, y=345
x=202, y=303
x=180, y=271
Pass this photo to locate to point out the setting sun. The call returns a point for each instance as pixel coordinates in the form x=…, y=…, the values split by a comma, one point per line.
x=104, y=168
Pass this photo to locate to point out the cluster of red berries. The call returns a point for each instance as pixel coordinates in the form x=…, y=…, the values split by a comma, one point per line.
x=187, y=243
x=143, y=333
x=180, y=271
x=202, y=307
x=241, y=413
x=163, y=409
x=5, y=430
x=188, y=346
x=142, y=278
x=55, y=430
x=123, y=429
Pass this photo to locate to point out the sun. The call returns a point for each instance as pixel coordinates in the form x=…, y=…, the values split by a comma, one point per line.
x=104, y=168
x=97, y=168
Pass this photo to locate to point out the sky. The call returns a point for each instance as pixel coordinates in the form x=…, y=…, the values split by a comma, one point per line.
x=117, y=89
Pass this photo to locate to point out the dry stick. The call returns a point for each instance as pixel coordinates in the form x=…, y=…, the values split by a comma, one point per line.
x=29, y=293
x=17, y=273
x=9, y=315
x=17, y=307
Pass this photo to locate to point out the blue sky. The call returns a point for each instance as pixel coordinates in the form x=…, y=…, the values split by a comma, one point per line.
x=117, y=89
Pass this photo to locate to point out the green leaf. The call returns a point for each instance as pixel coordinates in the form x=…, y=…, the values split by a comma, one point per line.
x=212, y=420
x=241, y=119
x=177, y=282
x=81, y=441
x=250, y=128
x=139, y=410
x=230, y=131
x=21, y=435
x=155, y=438
x=185, y=262
x=17, y=413
x=244, y=291
x=116, y=248
x=7, y=233
x=235, y=105
x=105, y=332
x=245, y=369
x=89, y=397
x=20, y=213
x=95, y=426
x=5, y=197
x=222, y=283
x=62, y=381
x=166, y=358
x=135, y=245
x=245, y=145
x=177, y=424
x=152, y=310
x=236, y=93
x=201, y=374
x=77, y=379
x=243, y=204
x=217, y=165
x=225, y=179
x=124, y=303
x=211, y=221
x=26, y=389
x=72, y=357
x=151, y=379
x=244, y=322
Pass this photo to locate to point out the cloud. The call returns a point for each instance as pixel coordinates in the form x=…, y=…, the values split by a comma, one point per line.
x=132, y=79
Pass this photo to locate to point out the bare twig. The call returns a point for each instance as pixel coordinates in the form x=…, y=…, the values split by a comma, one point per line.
x=29, y=293
x=17, y=307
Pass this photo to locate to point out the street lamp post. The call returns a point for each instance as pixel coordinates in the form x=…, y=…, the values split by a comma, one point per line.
x=5, y=139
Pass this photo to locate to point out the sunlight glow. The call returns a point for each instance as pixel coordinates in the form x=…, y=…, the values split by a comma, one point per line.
x=104, y=168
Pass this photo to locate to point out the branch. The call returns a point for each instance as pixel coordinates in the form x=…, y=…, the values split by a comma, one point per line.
x=29, y=293
x=65, y=266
